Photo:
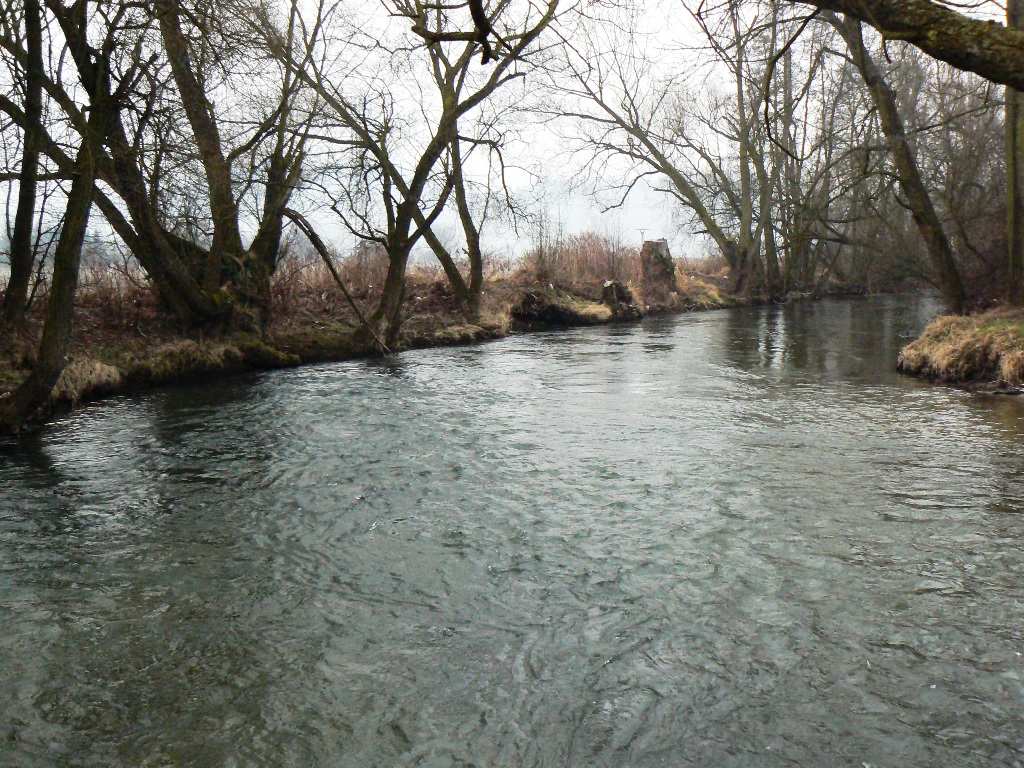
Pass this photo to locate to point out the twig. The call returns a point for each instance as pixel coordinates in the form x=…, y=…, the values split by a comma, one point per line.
x=318, y=244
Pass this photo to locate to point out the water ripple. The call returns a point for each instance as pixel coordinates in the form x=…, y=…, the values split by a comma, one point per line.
x=725, y=539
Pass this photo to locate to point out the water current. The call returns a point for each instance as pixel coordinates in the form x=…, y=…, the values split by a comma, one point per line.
x=735, y=538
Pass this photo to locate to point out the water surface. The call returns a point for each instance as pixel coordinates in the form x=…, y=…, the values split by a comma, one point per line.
x=726, y=539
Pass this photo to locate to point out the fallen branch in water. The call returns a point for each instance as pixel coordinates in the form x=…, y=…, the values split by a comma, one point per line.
x=318, y=244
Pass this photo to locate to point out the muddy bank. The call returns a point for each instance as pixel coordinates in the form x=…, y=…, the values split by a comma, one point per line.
x=983, y=352
x=119, y=359
x=120, y=348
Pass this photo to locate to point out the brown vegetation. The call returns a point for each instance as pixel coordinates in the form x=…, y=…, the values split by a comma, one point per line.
x=124, y=341
x=979, y=350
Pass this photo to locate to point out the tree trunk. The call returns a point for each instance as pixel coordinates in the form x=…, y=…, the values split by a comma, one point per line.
x=22, y=252
x=473, y=250
x=164, y=257
x=749, y=253
x=976, y=45
x=921, y=207
x=1015, y=170
x=451, y=270
x=226, y=248
x=791, y=193
x=387, y=318
x=169, y=261
x=773, y=276
x=265, y=250
x=742, y=271
x=467, y=294
x=35, y=391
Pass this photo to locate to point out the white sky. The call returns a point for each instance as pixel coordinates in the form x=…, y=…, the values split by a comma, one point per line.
x=671, y=39
x=545, y=150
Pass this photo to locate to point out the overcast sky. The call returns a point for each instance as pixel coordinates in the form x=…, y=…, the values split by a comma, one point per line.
x=553, y=181
x=672, y=41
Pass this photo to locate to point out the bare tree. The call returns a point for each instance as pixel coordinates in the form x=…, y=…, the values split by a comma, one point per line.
x=369, y=127
x=710, y=151
x=34, y=392
x=489, y=137
x=158, y=129
x=1015, y=167
x=21, y=242
x=918, y=197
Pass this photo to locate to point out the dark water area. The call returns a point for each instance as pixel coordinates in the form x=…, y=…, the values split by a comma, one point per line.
x=736, y=538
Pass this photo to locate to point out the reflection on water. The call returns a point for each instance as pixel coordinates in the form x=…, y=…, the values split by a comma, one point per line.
x=734, y=538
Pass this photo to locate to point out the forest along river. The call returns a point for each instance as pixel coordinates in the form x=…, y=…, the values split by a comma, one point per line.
x=735, y=538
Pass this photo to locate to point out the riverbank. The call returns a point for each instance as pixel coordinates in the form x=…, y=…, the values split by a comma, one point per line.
x=984, y=351
x=121, y=347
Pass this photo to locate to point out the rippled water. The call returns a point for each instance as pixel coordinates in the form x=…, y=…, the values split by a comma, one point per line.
x=723, y=539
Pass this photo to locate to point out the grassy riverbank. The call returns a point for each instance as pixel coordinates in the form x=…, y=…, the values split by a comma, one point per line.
x=978, y=351
x=122, y=344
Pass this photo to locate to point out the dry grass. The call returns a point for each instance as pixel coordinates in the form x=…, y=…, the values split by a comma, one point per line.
x=83, y=379
x=702, y=291
x=581, y=264
x=590, y=311
x=95, y=371
x=985, y=348
x=713, y=265
x=186, y=357
x=578, y=265
x=123, y=339
x=549, y=307
x=119, y=292
x=12, y=373
x=498, y=319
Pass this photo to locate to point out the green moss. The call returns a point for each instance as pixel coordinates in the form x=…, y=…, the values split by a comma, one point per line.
x=461, y=333
x=1012, y=328
x=321, y=342
x=10, y=377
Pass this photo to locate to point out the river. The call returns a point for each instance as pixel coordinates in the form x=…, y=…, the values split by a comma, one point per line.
x=734, y=538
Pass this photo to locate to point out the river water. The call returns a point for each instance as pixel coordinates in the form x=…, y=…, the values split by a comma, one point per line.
x=734, y=538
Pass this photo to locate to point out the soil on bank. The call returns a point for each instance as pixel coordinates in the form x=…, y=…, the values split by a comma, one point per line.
x=123, y=344
x=984, y=351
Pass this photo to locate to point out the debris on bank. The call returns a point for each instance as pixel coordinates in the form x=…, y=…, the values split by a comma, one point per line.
x=552, y=308
x=619, y=299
